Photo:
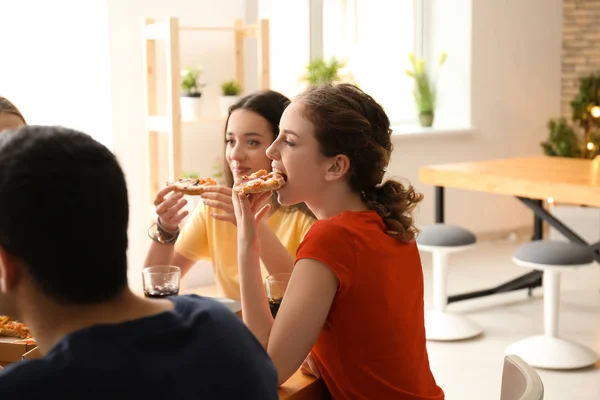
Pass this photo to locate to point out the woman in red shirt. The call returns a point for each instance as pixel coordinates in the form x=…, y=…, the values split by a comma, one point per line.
x=356, y=293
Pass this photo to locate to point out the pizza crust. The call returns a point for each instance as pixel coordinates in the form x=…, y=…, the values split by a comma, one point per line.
x=192, y=186
x=11, y=328
x=261, y=181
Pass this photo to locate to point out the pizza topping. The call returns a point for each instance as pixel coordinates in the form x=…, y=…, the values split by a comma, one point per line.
x=12, y=328
x=192, y=186
x=261, y=181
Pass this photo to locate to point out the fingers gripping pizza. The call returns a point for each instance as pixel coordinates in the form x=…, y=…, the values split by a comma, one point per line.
x=192, y=186
x=261, y=181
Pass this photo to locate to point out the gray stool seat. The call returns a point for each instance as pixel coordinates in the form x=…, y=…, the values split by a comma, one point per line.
x=553, y=252
x=550, y=350
x=441, y=240
x=444, y=235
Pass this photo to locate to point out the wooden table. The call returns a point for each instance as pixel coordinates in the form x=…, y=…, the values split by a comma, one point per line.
x=299, y=386
x=531, y=180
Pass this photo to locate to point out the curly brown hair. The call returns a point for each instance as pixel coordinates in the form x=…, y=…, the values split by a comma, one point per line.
x=6, y=107
x=348, y=121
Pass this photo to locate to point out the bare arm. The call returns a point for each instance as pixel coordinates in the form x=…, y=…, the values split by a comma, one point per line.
x=272, y=252
x=168, y=207
x=289, y=338
x=313, y=286
x=165, y=254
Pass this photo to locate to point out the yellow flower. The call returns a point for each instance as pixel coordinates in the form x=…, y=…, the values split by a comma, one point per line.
x=412, y=59
x=420, y=68
x=443, y=58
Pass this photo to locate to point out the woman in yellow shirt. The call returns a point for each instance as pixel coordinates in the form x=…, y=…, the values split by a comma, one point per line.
x=252, y=125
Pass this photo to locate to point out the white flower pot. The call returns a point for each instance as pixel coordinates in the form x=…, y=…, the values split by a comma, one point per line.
x=227, y=101
x=191, y=107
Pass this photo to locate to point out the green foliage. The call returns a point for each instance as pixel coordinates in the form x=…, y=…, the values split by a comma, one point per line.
x=230, y=88
x=562, y=140
x=191, y=175
x=589, y=95
x=425, y=90
x=189, y=80
x=319, y=71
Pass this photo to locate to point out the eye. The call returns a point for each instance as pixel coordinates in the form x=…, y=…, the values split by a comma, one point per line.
x=253, y=143
x=229, y=142
x=288, y=143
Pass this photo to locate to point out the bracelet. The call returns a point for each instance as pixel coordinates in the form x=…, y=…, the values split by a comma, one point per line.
x=160, y=235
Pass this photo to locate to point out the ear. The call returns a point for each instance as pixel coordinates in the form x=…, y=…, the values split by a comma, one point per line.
x=10, y=271
x=338, y=166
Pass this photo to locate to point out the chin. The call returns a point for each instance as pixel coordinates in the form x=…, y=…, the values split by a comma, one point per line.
x=283, y=197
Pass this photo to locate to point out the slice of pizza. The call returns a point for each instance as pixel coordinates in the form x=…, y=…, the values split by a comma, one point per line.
x=261, y=181
x=192, y=186
x=12, y=328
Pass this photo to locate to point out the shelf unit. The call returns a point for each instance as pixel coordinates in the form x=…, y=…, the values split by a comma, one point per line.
x=168, y=31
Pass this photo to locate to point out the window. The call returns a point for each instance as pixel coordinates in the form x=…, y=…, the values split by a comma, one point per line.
x=375, y=38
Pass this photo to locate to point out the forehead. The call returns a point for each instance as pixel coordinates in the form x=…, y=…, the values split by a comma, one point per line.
x=293, y=119
x=245, y=121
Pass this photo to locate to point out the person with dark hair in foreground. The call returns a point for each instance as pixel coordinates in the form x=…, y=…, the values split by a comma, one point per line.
x=63, y=272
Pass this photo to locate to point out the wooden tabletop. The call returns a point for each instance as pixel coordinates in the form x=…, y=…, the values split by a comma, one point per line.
x=566, y=180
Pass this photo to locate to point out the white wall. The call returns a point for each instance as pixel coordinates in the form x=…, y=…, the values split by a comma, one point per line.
x=516, y=51
x=54, y=63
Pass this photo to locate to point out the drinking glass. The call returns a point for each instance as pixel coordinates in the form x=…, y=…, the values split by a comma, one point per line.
x=276, y=285
x=161, y=281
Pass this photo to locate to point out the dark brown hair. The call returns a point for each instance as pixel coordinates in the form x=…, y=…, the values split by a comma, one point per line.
x=269, y=105
x=348, y=121
x=6, y=107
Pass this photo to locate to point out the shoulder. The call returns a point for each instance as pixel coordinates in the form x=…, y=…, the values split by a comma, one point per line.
x=192, y=304
x=29, y=377
x=330, y=230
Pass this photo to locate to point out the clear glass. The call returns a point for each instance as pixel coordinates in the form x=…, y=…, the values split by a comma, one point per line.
x=276, y=285
x=161, y=281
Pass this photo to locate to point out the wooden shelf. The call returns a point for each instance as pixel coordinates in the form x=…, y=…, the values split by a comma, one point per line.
x=171, y=124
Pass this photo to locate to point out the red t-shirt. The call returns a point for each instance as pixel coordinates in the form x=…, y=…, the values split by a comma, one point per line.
x=372, y=345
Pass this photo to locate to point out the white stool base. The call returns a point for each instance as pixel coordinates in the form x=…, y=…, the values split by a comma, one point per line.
x=552, y=353
x=445, y=326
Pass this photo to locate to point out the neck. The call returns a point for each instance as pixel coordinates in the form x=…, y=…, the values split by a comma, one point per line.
x=50, y=321
x=336, y=201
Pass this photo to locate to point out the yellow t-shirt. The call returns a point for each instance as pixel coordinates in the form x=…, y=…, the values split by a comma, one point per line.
x=204, y=237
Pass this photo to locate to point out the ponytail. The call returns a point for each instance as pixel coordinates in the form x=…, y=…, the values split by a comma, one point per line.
x=394, y=203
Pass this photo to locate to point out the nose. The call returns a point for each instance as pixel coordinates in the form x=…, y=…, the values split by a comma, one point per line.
x=237, y=153
x=273, y=152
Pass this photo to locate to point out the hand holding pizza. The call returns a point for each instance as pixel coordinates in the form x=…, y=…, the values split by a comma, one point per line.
x=219, y=197
x=249, y=212
x=168, y=207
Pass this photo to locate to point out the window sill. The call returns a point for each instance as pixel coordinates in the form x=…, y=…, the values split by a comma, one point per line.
x=412, y=131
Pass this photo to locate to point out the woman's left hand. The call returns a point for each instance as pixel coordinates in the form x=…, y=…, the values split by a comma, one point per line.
x=249, y=211
x=219, y=197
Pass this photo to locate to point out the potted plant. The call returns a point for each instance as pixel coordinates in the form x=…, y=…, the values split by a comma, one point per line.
x=425, y=90
x=191, y=93
x=320, y=71
x=230, y=94
x=562, y=140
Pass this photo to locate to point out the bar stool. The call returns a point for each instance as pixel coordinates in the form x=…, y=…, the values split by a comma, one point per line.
x=441, y=240
x=549, y=350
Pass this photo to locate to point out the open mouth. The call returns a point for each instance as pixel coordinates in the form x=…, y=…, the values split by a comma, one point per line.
x=276, y=171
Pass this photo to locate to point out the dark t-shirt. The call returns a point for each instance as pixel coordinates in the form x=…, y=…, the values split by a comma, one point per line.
x=199, y=350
